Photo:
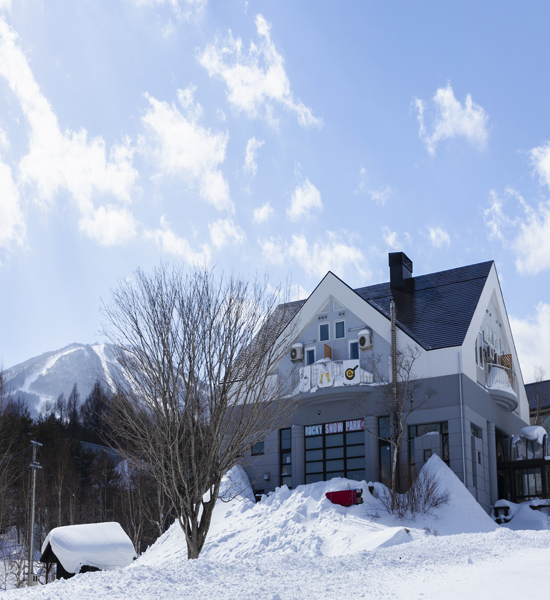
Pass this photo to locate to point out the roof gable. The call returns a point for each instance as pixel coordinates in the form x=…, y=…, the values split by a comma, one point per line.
x=435, y=309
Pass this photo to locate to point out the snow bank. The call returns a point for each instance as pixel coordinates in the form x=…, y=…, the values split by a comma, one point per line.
x=235, y=484
x=462, y=513
x=102, y=545
x=304, y=522
x=521, y=516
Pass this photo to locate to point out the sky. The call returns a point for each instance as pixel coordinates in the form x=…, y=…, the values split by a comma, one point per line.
x=260, y=137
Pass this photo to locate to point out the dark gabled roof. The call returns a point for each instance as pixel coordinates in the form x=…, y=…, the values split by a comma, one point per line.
x=435, y=309
x=538, y=394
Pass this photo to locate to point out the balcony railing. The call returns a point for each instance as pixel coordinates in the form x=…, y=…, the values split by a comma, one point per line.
x=502, y=385
x=331, y=374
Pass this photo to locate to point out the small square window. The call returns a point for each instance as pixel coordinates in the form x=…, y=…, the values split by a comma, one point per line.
x=339, y=330
x=258, y=449
x=310, y=356
x=324, y=332
x=354, y=350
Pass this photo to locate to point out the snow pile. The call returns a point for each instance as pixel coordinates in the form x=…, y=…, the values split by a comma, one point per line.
x=235, y=484
x=525, y=515
x=297, y=545
x=304, y=522
x=533, y=433
x=101, y=545
x=461, y=513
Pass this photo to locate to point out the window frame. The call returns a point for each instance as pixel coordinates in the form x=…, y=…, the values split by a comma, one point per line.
x=351, y=343
x=343, y=337
x=255, y=450
x=306, y=351
x=327, y=325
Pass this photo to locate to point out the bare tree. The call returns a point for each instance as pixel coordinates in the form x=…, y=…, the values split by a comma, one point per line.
x=399, y=399
x=540, y=401
x=199, y=356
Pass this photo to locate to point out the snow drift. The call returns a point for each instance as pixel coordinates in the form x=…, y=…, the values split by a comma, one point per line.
x=304, y=522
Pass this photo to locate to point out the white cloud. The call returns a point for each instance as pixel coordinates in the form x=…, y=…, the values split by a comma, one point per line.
x=256, y=80
x=336, y=252
x=262, y=214
x=305, y=199
x=224, y=232
x=380, y=197
x=540, y=158
x=252, y=147
x=391, y=238
x=12, y=223
x=452, y=119
x=181, y=146
x=171, y=243
x=109, y=225
x=5, y=5
x=532, y=340
x=494, y=216
x=438, y=237
x=273, y=250
x=183, y=9
x=532, y=243
x=4, y=142
x=526, y=234
x=59, y=160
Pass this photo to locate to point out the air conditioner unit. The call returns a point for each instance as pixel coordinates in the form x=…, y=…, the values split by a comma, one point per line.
x=365, y=339
x=297, y=352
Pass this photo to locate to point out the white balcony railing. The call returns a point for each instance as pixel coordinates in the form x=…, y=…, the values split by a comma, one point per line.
x=502, y=385
x=332, y=373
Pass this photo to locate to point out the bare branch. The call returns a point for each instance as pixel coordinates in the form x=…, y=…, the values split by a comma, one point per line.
x=200, y=358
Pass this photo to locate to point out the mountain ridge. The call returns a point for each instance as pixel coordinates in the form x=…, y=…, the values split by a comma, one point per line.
x=43, y=378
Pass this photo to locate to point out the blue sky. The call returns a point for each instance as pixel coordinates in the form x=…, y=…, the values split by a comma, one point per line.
x=288, y=138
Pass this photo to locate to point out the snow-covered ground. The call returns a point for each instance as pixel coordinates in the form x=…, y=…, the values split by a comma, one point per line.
x=297, y=545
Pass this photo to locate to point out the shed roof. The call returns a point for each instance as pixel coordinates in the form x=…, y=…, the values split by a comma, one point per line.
x=101, y=545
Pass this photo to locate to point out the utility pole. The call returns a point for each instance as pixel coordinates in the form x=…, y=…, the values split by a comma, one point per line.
x=34, y=466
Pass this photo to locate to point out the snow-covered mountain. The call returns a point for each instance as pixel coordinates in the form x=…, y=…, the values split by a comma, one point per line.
x=43, y=378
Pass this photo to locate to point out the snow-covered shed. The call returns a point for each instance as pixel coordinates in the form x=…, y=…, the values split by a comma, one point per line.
x=90, y=547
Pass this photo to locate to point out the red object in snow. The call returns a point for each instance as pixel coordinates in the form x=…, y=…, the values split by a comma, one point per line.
x=345, y=497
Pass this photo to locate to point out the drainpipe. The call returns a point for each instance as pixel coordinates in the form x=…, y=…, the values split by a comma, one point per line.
x=461, y=417
x=395, y=419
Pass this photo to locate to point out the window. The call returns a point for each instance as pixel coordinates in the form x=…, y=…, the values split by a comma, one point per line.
x=384, y=449
x=354, y=350
x=324, y=334
x=416, y=431
x=310, y=356
x=285, y=454
x=476, y=454
x=335, y=450
x=339, y=330
x=258, y=449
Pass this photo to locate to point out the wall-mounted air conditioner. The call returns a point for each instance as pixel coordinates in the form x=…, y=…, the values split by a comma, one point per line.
x=297, y=352
x=365, y=339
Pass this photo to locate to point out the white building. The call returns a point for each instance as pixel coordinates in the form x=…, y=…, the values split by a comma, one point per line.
x=456, y=322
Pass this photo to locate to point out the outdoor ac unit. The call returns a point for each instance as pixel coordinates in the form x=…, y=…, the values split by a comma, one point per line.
x=297, y=352
x=365, y=339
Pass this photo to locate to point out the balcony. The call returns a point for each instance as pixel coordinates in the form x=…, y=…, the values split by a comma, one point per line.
x=332, y=374
x=501, y=383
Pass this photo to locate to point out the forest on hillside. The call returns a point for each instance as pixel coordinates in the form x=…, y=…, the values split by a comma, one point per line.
x=81, y=479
